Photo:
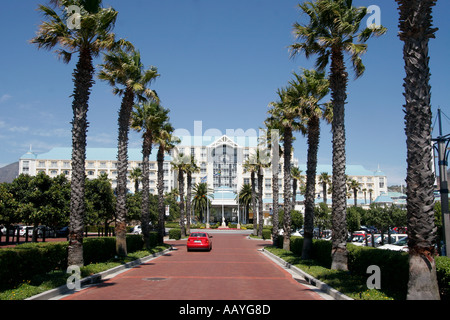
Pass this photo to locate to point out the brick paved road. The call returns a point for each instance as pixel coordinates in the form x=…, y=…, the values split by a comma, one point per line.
x=233, y=270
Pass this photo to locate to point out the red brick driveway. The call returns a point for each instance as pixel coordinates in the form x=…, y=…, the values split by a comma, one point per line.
x=233, y=270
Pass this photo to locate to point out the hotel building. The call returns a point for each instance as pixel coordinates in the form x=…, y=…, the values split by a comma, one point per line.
x=221, y=162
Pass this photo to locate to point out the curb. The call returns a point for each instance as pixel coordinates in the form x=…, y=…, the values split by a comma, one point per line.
x=96, y=278
x=308, y=278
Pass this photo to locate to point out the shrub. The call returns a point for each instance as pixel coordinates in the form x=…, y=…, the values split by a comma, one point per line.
x=443, y=275
x=175, y=234
x=25, y=261
x=135, y=242
x=266, y=234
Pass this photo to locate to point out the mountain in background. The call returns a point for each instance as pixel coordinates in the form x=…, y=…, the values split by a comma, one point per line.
x=9, y=173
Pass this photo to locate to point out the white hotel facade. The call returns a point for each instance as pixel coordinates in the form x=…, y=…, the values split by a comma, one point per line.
x=220, y=160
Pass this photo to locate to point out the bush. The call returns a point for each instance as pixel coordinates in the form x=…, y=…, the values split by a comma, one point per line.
x=25, y=261
x=266, y=234
x=175, y=234
x=443, y=275
x=393, y=265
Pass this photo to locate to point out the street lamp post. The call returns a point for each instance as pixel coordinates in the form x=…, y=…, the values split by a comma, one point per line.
x=441, y=145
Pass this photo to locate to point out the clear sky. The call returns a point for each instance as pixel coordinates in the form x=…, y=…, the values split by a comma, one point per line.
x=221, y=62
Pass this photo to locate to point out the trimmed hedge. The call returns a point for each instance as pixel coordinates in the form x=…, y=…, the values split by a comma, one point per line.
x=27, y=260
x=443, y=275
x=175, y=234
x=394, y=265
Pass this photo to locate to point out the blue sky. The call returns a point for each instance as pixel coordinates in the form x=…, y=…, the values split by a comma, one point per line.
x=221, y=62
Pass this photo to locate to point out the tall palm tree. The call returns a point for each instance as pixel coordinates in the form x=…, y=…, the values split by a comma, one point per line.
x=179, y=163
x=415, y=31
x=262, y=163
x=285, y=111
x=93, y=36
x=311, y=87
x=136, y=176
x=296, y=175
x=355, y=186
x=250, y=166
x=273, y=138
x=370, y=195
x=125, y=72
x=166, y=142
x=147, y=117
x=333, y=30
x=201, y=199
x=245, y=198
x=190, y=168
x=325, y=180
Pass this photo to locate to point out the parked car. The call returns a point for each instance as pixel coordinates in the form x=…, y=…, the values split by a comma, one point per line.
x=62, y=232
x=400, y=245
x=49, y=233
x=199, y=240
x=136, y=230
x=23, y=230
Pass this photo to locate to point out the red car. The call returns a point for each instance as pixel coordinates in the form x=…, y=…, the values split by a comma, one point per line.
x=199, y=240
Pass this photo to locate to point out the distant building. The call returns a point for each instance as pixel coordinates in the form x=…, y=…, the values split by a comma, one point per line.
x=220, y=160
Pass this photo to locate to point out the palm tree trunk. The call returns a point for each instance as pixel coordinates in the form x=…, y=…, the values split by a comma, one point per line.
x=275, y=192
x=338, y=85
x=188, y=202
x=252, y=178
x=324, y=187
x=182, y=213
x=122, y=159
x=313, y=146
x=287, y=189
x=260, y=201
x=83, y=81
x=161, y=207
x=145, y=213
x=415, y=32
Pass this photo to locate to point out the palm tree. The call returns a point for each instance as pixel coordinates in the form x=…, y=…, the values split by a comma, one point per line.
x=93, y=37
x=147, y=117
x=261, y=163
x=355, y=186
x=245, y=198
x=179, y=163
x=310, y=88
x=190, y=168
x=273, y=139
x=296, y=175
x=333, y=30
x=125, y=72
x=201, y=199
x=325, y=180
x=136, y=176
x=250, y=166
x=415, y=31
x=370, y=195
x=166, y=141
x=285, y=112
x=364, y=190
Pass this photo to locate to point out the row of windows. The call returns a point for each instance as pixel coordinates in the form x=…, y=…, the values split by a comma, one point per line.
x=89, y=165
